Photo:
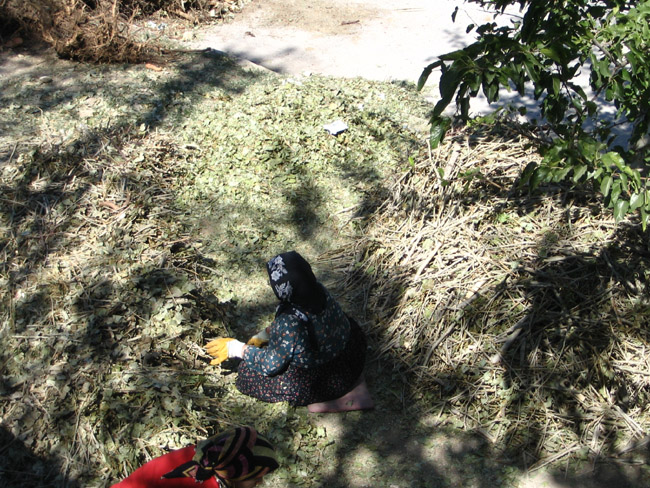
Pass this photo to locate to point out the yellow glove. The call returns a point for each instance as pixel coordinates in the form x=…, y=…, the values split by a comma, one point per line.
x=218, y=349
x=260, y=339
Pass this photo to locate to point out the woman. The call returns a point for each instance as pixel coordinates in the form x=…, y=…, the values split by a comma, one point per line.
x=237, y=458
x=315, y=353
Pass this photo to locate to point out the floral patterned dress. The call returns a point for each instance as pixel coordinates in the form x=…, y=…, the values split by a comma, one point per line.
x=300, y=366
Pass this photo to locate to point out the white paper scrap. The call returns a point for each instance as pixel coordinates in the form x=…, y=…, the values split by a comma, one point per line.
x=336, y=127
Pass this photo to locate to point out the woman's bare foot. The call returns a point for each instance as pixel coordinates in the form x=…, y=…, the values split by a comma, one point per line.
x=356, y=399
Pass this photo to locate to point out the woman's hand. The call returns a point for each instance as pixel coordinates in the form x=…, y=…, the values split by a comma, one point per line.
x=224, y=348
x=260, y=339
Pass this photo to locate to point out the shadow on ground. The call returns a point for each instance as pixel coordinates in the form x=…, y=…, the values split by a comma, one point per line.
x=87, y=261
x=554, y=364
x=101, y=366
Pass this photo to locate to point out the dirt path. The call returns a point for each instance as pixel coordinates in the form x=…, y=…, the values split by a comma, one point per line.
x=375, y=39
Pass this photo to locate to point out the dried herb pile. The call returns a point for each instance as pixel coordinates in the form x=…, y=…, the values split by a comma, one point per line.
x=522, y=317
x=138, y=206
x=137, y=209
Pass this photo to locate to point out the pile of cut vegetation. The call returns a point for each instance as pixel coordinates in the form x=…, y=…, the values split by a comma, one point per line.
x=523, y=317
x=138, y=207
x=102, y=31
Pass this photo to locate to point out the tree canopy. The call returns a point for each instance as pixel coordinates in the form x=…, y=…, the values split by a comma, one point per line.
x=545, y=50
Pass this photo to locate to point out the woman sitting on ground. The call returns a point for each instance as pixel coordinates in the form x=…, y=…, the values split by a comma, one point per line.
x=314, y=352
x=237, y=458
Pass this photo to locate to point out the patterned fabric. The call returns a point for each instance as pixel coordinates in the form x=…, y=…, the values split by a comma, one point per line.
x=315, y=351
x=300, y=385
x=279, y=275
x=295, y=285
x=235, y=455
x=149, y=475
x=289, y=340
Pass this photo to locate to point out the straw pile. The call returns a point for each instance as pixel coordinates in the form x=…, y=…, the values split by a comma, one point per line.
x=523, y=317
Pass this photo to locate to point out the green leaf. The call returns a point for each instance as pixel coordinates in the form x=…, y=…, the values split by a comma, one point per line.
x=529, y=67
x=614, y=159
x=474, y=83
x=464, y=107
x=620, y=209
x=636, y=201
x=426, y=72
x=606, y=185
x=527, y=173
x=439, y=108
x=602, y=68
x=634, y=174
x=557, y=86
x=579, y=90
x=596, y=173
x=490, y=90
x=448, y=83
x=551, y=53
x=540, y=175
x=616, y=191
x=438, y=130
x=455, y=55
x=561, y=174
x=624, y=182
x=645, y=219
x=579, y=171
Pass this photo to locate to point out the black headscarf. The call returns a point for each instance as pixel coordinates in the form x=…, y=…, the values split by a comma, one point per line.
x=297, y=288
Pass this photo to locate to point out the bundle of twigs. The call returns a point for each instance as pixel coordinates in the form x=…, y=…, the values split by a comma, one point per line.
x=522, y=316
x=102, y=30
x=95, y=31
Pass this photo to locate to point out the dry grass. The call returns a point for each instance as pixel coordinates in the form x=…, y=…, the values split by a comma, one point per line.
x=122, y=250
x=521, y=316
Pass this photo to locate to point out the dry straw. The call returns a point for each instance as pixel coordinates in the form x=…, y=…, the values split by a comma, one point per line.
x=104, y=31
x=520, y=316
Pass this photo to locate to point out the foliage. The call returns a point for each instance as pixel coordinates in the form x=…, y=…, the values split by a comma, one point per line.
x=549, y=47
x=138, y=207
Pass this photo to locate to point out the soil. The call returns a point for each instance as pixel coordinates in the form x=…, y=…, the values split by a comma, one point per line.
x=321, y=17
x=28, y=60
x=379, y=40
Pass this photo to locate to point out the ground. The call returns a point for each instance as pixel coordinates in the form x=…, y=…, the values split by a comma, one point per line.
x=319, y=17
x=396, y=445
x=377, y=40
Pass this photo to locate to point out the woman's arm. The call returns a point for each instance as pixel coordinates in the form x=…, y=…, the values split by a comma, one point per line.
x=274, y=358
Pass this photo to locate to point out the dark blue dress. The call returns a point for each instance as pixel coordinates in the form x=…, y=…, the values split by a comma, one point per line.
x=303, y=368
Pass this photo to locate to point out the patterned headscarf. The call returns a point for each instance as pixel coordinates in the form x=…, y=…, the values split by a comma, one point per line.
x=298, y=290
x=235, y=455
x=294, y=283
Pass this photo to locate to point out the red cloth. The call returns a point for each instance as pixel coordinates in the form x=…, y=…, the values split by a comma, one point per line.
x=149, y=475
